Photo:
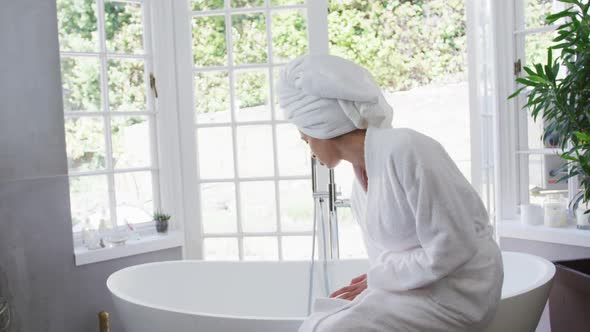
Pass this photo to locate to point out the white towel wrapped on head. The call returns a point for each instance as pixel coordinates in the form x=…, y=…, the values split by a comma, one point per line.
x=326, y=96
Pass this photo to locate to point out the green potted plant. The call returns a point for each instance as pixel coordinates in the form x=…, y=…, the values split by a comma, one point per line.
x=161, y=220
x=563, y=101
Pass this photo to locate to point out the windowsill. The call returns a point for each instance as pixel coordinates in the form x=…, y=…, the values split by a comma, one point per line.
x=147, y=243
x=569, y=235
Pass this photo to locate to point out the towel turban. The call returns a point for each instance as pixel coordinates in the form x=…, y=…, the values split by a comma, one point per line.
x=326, y=96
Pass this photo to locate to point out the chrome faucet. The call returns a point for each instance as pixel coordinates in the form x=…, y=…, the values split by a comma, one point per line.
x=329, y=235
x=331, y=241
x=333, y=204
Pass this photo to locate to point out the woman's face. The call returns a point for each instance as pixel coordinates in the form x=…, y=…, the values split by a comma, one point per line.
x=323, y=150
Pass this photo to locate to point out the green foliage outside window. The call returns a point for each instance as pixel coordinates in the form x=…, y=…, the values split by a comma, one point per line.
x=404, y=43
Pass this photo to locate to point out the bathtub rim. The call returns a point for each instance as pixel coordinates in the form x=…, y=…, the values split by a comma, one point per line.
x=135, y=301
x=547, y=277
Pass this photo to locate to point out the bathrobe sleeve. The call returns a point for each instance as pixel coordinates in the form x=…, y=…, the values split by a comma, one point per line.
x=444, y=205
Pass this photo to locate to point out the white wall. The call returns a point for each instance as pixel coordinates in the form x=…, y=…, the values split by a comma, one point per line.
x=46, y=290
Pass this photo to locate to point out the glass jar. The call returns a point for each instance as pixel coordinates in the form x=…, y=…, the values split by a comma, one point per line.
x=583, y=219
x=555, y=210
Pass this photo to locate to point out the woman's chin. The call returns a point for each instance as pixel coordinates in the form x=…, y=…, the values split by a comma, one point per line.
x=332, y=165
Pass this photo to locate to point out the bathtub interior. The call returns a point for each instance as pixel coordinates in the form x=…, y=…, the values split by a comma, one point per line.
x=524, y=272
x=261, y=289
x=266, y=289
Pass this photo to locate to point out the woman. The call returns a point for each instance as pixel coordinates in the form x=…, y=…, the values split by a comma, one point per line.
x=433, y=265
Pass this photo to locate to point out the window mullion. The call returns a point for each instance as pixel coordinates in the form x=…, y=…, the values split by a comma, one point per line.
x=273, y=125
x=107, y=117
x=151, y=105
x=230, y=61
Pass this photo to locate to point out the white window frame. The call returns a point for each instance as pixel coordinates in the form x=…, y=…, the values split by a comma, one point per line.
x=317, y=43
x=175, y=125
x=481, y=104
x=511, y=143
x=482, y=120
x=512, y=126
x=159, y=53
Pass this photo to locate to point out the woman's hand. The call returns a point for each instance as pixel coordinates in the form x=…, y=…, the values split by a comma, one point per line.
x=357, y=286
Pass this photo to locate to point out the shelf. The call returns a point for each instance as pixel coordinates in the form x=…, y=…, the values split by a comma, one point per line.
x=547, y=151
x=567, y=235
x=147, y=243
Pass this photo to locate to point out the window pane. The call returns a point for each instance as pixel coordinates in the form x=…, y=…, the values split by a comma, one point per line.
x=89, y=199
x=536, y=46
x=221, y=249
x=255, y=151
x=289, y=35
x=209, y=41
x=215, y=153
x=123, y=27
x=441, y=112
x=536, y=11
x=276, y=71
x=296, y=205
x=261, y=248
x=131, y=141
x=212, y=97
x=293, y=153
x=77, y=28
x=416, y=52
x=85, y=143
x=81, y=84
x=286, y=2
x=344, y=177
x=249, y=39
x=134, y=193
x=297, y=247
x=535, y=132
x=200, y=5
x=252, y=95
x=218, y=206
x=258, y=206
x=488, y=195
x=126, y=85
x=350, y=236
x=544, y=172
x=247, y=3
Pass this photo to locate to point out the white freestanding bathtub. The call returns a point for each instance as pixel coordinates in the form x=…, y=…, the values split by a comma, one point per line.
x=201, y=296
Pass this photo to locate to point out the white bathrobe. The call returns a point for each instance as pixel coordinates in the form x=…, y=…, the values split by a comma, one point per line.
x=433, y=263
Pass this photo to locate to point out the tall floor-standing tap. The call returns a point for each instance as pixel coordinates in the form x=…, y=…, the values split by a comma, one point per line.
x=333, y=204
x=326, y=227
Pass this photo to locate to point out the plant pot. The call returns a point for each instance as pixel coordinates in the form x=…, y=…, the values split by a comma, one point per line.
x=570, y=296
x=162, y=226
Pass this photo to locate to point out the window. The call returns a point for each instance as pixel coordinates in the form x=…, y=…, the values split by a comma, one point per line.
x=417, y=52
x=253, y=176
x=109, y=111
x=538, y=160
x=255, y=199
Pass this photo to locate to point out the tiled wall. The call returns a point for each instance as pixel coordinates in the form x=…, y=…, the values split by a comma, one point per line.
x=46, y=290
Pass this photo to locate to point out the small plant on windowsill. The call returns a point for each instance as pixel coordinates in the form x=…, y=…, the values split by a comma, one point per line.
x=161, y=220
x=563, y=101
